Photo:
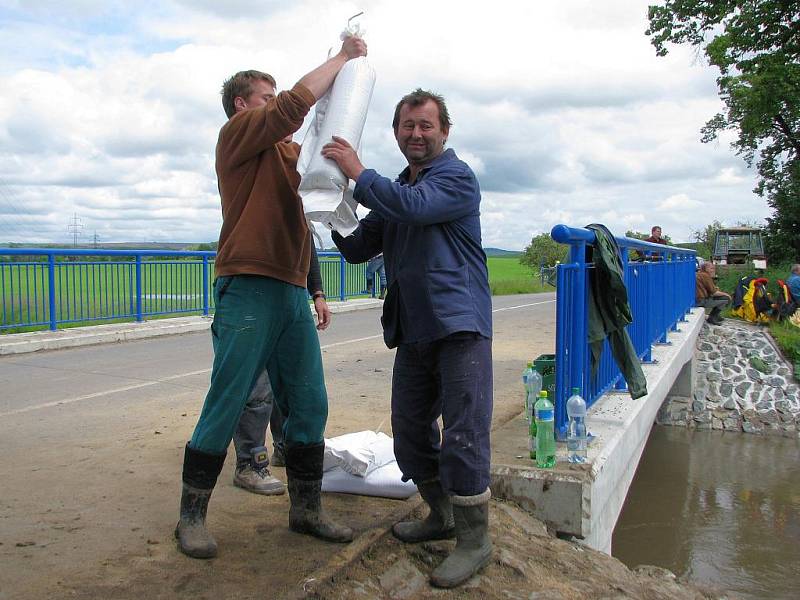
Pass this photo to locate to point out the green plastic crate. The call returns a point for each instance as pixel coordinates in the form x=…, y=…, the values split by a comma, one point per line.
x=545, y=365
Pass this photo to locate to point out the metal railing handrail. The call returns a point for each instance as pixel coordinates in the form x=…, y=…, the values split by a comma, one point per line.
x=49, y=292
x=660, y=292
x=102, y=252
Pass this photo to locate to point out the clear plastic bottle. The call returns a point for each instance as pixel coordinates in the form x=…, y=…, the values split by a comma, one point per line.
x=576, y=432
x=545, y=432
x=525, y=375
x=533, y=387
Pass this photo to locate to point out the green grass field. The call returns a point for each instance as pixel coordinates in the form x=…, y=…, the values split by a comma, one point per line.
x=105, y=291
x=508, y=276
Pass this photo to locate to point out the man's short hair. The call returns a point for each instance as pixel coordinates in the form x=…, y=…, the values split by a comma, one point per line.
x=241, y=85
x=654, y=227
x=707, y=266
x=419, y=97
x=796, y=269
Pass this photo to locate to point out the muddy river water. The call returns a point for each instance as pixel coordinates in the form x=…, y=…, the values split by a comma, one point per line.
x=717, y=508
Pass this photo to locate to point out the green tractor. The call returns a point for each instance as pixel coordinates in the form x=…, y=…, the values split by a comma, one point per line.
x=739, y=246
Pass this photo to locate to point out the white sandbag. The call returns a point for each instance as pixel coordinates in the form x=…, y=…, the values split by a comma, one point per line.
x=342, y=112
x=358, y=453
x=385, y=481
x=343, y=219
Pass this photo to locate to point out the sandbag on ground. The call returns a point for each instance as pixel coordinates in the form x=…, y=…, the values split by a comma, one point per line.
x=364, y=463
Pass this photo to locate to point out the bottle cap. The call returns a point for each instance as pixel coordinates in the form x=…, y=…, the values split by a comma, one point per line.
x=543, y=394
x=576, y=390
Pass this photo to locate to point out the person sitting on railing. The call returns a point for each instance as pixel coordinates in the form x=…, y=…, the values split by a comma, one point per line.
x=655, y=238
x=262, y=317
x=438, y=313
x=708, y=295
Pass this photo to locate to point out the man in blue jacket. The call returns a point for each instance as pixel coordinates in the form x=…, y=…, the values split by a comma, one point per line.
x=438, y=313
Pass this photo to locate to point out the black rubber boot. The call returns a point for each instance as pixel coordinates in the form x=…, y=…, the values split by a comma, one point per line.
x=438, y=525
x=473, y=548
x=200, y=472
x=383, y=293
x=304, y=477
x=370, y=287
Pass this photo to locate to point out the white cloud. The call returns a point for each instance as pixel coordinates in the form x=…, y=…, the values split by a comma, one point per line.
x=678, y=202
x=110, y=110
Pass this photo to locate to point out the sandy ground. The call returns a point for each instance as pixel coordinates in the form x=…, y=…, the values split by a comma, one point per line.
x=527, y=564
x=89, y=492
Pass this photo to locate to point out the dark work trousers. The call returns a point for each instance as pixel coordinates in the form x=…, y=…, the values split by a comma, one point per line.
x=451, y=378
x=260, y=410
x=714, y=303
x=258, y=322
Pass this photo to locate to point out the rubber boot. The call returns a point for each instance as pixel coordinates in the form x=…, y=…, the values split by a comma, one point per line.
x=304, y=477
x=438, y=525
x=370, y=287
x=383, y=293
x=715, y=318
x=200, y=472
x=473, y=547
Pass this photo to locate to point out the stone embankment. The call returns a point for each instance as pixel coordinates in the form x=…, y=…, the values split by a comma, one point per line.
x=742, y=384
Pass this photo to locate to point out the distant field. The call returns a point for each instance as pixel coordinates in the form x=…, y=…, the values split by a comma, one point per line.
x=105, y=291
x=508, y=276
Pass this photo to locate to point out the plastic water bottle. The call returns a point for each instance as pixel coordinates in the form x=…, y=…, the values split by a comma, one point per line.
x=545, y=432
x=525, y=375
x=532, y=438
x=576, y=433
x=532, y=388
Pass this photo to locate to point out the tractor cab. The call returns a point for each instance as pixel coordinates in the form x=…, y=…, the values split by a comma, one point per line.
x=739, y=246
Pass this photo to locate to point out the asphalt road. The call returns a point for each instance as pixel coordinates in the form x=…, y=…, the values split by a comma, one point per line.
x=125, y=371
x=92, y=439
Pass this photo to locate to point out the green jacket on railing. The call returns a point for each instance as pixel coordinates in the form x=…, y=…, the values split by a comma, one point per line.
x=609, y=311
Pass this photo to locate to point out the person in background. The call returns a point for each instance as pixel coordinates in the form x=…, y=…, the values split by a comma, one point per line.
x=438, y=313
x=252, y=458
x=793, y=282
x=655, y=236
x=708, y=295
x=375, y=265
x=262, y=317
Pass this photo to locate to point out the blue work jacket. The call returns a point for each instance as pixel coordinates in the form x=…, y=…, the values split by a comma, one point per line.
x=430, y=234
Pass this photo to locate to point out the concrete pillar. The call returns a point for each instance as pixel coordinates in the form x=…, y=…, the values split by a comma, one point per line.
x=684, y=383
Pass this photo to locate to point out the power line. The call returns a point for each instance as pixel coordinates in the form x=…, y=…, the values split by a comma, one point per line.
x=75, y=226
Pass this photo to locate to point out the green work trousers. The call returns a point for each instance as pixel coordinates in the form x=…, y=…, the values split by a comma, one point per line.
x=258, y=322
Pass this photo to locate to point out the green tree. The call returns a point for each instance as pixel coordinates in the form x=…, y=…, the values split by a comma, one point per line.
x=705, y=238
x=755, y=44
x=543, y=250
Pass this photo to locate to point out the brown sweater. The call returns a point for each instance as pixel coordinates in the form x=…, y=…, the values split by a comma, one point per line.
x=704, y=286
x=264, y=229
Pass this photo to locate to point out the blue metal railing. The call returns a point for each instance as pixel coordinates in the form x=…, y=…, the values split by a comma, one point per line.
x=42, y=287
x=661, y=289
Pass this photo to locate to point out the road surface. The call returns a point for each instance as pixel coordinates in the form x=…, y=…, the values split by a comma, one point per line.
x=92, y=440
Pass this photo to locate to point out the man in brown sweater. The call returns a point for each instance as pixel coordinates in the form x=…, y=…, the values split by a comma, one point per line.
x=708, y=295
x=261, y=314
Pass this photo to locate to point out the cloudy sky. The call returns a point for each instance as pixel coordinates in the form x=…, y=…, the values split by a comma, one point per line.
x=109, y=111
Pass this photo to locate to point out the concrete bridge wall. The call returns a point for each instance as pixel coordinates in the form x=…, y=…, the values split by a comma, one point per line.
x=586, y=500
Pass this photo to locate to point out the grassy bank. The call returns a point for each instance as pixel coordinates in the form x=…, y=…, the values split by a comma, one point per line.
x=786, y=335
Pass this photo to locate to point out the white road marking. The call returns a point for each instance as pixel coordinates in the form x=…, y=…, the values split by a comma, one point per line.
x=364, y=339
x=145, y=384
x=523, y=305
x=127, y=388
